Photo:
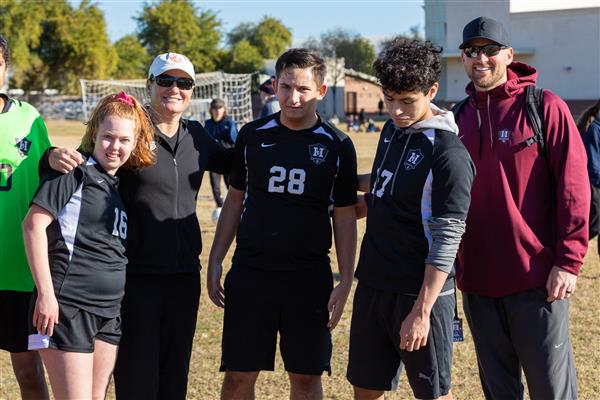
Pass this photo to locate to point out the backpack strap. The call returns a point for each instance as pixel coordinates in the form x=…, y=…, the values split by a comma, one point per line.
x=457, y=107
x=534, y=103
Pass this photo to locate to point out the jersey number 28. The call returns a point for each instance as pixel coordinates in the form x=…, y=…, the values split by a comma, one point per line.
x=295, y=178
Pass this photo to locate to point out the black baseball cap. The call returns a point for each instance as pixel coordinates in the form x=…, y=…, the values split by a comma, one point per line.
x=484, y=28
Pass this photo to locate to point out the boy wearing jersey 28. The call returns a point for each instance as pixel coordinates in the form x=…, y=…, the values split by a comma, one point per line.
x=74, y=234
x=23, y=140
x=288, y=170
x=419, y=197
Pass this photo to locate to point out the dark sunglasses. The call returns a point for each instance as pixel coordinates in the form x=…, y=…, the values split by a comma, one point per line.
x=490, y=50
x=167, y=81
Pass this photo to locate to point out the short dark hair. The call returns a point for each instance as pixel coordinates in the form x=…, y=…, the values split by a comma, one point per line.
x=4, y=49
x=217, y=103
x=408, y=65
x=302, y=58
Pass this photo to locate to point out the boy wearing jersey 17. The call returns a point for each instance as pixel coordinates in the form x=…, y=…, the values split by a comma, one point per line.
x=419, y=197
x=289, y=169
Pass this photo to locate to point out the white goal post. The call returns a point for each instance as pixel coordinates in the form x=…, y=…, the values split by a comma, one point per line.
x=234, y=89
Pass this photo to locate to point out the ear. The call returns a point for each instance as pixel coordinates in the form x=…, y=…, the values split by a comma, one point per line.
x=148, y=85
x=321, y=91
x=509, y=55
x=275, y=85
x=433, y=91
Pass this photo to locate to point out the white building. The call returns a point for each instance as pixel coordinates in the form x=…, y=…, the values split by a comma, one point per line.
x=561, y=39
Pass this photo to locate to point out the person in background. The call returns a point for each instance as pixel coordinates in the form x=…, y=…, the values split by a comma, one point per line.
x=268, y=98
x=589, y=127
x=23, y=140
x=527, y=228
x=162, y=290
x=224, y=129
x=75, y=234
x=380, y=106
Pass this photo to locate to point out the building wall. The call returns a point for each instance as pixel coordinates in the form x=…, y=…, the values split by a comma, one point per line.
x=564, y=45
x=368, y=94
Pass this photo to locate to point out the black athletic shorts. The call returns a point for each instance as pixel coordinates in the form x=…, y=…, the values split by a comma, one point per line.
x=76, y=331
x=14, y=328
x=261, y=303
x=375, y=357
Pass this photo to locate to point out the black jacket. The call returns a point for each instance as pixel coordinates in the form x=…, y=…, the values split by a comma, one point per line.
x=164, y=233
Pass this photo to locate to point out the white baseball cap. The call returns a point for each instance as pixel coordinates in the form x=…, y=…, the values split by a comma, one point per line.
x=168, y=61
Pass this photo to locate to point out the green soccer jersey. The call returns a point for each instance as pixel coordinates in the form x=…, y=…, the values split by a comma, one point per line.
x=23, y=140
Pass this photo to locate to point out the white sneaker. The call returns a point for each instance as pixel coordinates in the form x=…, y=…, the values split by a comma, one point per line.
x=215, y=214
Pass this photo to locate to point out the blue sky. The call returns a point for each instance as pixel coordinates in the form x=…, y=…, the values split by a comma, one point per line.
x=374, y=19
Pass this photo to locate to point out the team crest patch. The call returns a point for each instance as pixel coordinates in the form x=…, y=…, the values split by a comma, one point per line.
x=504, y=135
x=317, y=153
x=23, y=145
x=413, y=159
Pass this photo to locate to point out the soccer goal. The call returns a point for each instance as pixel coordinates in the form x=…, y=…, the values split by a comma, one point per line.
x=234, y=89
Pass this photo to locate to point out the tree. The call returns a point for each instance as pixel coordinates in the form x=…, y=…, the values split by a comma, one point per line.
x=242, y=58
x=177, y=26
x=133, y=58
x=74, y=45
x=358, y=52
x=269, y=36
x=20, y=24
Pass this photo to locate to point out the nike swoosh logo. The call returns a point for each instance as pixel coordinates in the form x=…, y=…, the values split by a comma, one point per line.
x=100, y=180
x=387, y=140
x=267, y=144
x=556, y=346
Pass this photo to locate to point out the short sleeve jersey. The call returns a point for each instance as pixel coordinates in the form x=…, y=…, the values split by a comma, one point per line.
x=292, y=179
x=23, y=140
x=86, y=240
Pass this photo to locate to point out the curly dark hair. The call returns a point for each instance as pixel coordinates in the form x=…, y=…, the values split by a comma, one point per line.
x=408, y=65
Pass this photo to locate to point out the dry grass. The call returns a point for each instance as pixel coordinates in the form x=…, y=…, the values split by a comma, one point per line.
x=205, y=380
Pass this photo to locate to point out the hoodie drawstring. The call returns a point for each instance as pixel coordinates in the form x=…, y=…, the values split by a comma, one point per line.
x=400, y=162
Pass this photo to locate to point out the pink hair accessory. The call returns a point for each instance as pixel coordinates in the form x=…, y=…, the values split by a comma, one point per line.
x=125, y=98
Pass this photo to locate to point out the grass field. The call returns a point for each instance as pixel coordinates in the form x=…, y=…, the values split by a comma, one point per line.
x=205, y=380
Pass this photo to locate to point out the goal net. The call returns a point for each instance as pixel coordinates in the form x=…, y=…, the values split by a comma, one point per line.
x=234, y=89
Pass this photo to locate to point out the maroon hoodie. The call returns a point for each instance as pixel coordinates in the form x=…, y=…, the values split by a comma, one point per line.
x=520, y=224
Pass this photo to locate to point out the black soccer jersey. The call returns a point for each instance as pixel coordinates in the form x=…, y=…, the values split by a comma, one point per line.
x=291, y=179
x=86, y=240
x=417, y=175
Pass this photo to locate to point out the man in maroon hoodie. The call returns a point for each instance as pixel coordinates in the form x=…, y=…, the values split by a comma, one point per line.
x=527, y=227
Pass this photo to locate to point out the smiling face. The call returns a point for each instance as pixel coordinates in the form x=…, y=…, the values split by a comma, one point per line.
x=298, y=94
x=113, y=142
x=486, y=72
x=169, y=101
x=408, y=108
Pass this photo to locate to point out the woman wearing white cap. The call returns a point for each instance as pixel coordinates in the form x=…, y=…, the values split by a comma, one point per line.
x=163, y=282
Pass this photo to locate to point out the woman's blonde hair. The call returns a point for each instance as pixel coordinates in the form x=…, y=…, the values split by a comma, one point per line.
x=124, y=106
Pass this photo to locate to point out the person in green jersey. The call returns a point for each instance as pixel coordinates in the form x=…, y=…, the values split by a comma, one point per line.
x=23, y=140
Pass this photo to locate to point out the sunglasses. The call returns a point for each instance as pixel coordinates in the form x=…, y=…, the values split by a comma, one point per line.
x=490, y=50
x=167, y=81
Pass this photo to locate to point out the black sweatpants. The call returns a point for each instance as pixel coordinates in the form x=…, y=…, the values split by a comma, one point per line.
x=215, y=184
x=159, y=320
